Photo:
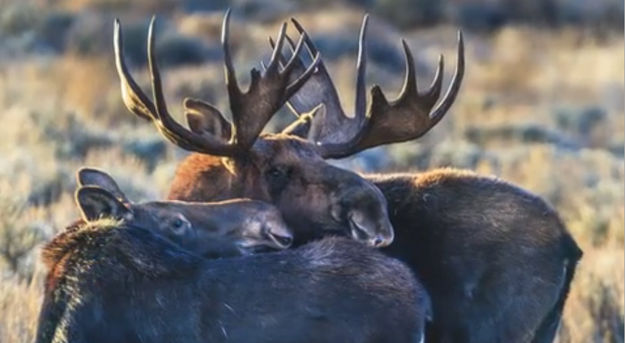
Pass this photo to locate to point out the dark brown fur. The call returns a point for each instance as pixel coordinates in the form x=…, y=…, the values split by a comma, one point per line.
x=123, y=284
x=311, y=194
x=497, y=260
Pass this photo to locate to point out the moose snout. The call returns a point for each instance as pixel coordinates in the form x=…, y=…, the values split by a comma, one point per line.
x=384, y=237
x=377, y=232
x=363, y=208
x=279, y=234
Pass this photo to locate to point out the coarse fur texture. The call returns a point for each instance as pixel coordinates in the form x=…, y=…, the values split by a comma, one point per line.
x=212, y=229
x=313, y=196
x=110, y=283
x=496, y=260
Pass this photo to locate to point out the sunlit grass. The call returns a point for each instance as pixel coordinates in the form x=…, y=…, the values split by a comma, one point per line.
x=60, y=112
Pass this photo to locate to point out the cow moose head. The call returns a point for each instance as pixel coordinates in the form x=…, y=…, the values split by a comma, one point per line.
x=219, y=229
x=288, y=169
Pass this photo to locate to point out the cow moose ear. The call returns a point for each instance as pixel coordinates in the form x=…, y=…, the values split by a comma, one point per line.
x=203, y=118
x=94, y=177
x=95, y=203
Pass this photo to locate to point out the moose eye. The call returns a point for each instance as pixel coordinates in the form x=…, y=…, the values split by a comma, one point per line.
x=278, y=172
x=177, y=223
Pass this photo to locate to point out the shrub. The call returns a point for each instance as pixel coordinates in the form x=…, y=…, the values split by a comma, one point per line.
x=18, y=17
x=54, y=28
x=580, y=120
x=175, y=50
x=410, y=13
x=17, y=235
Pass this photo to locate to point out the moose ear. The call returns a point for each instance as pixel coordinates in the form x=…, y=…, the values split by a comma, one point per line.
x=301, y=127
x=204, y=118
x=95, y=177
x=95, y=203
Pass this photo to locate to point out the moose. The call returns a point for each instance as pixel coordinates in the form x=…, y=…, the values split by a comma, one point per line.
x=217, y=229
x=323, y=199
x=496, y=260
x=112, y=281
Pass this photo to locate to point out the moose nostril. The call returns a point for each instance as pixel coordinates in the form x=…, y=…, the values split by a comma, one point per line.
x=280, y=234
x=283, y=240
x=381, y=241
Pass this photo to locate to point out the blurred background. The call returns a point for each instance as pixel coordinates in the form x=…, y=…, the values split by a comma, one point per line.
x=541, y=106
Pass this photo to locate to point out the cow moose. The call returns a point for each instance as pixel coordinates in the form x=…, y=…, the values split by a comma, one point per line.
x=216, y=229
x=111, y=282
x=496, y=260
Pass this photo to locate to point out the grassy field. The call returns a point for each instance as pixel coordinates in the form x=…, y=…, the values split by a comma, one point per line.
x=540, y=108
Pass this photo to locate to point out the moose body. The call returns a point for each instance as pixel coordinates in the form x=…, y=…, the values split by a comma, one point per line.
x=498, y=260
x=111, y=283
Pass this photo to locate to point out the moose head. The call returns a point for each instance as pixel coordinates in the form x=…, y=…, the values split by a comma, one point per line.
x=219, y=229
x=233, y=159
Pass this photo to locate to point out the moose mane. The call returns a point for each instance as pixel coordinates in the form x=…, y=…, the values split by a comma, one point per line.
x=111, y=246
x=72, y=237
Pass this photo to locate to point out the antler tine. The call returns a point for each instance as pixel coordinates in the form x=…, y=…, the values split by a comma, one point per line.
x=293, y=62
x=230, y=73
x=132, y=95
x=312, y=50
x=163, y=121
x=157, y=86
x=410, y=80
x=355, y=128
x=274, y=61
x=434, y=92
x=298, y=127
x=361, y=67
x=450, y=96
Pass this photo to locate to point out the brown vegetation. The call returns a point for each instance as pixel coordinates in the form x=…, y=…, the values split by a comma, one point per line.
x=540, y=108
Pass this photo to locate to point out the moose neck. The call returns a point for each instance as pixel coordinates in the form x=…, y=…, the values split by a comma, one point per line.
x=202, y=177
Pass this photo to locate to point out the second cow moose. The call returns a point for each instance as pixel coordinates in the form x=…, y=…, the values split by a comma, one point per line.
x=496, y=260
x=136, y=272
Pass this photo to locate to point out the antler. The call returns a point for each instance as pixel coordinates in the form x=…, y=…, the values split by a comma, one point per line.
x=407, y=117
x=251, y=110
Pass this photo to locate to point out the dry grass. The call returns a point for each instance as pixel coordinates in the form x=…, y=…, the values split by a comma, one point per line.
x=63, y=111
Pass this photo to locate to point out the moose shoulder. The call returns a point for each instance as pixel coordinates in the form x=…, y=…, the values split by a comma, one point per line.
x=119, y=284
x=487, y=252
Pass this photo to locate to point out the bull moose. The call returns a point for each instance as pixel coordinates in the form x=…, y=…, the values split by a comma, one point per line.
x=496, y=260
x=319, y=197
x=114, y=282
